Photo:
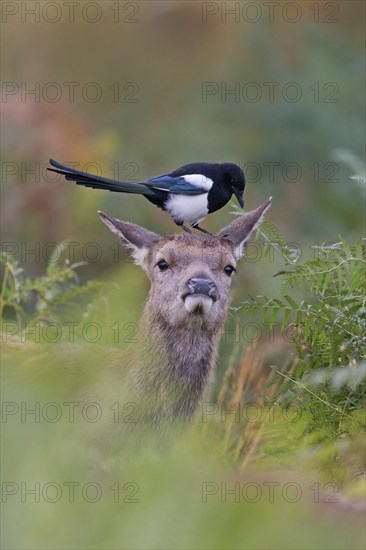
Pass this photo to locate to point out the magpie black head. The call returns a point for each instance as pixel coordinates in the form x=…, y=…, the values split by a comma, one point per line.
x=234, y=179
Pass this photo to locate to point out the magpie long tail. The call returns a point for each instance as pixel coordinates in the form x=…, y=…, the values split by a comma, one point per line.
x=99, y=182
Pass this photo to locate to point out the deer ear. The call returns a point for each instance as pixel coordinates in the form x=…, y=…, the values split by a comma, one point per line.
x=239, y=231
x=135, y=239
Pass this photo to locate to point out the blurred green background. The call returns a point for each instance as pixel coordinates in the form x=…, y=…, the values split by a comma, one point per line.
x=135, y=89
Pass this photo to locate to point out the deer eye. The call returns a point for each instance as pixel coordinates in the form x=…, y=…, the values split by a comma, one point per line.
x=162, y=265
x=229, y=270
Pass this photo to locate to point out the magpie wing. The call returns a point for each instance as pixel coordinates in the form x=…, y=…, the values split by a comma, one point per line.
x=175, y=185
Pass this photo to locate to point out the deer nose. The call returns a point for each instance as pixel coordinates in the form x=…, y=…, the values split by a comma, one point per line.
x=199, y=285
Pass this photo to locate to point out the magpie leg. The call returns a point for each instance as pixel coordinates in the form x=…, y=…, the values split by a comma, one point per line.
x=196, y=226
x=183, y=227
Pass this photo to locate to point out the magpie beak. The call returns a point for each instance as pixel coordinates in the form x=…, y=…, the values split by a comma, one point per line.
x=239, y=195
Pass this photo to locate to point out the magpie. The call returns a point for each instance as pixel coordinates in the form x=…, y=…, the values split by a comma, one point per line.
x=188, y=194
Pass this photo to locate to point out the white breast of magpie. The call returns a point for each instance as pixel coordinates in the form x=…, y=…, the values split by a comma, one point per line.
x=187, y=208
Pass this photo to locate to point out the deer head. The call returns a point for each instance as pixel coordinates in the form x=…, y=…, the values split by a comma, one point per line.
x=190, y=274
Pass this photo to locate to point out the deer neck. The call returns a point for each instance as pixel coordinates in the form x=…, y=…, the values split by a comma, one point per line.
x=174, y=363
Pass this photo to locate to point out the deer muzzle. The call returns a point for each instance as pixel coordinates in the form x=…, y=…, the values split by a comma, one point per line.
x=201, y=295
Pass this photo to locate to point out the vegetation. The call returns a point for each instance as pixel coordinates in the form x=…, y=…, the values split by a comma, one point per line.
x=41, y=298
x=328, y=330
